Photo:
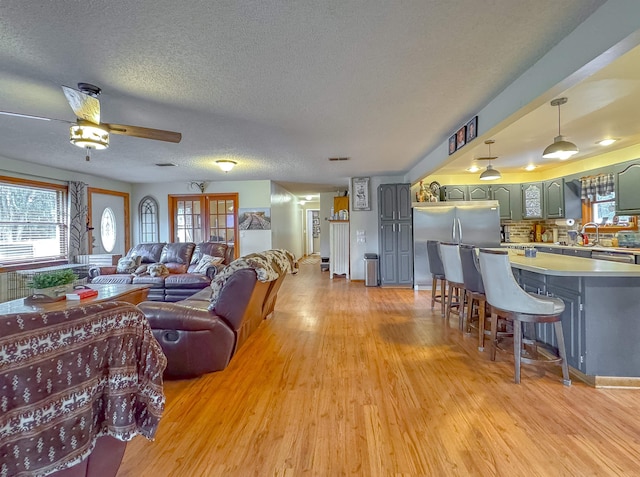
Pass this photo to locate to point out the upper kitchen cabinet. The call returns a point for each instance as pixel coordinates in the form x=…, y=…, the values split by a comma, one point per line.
x=628, y=191
x=532, y=200
x=510, y=200
x=554, y=199
x=479, y=192
x=453, y=193
x=394, y=201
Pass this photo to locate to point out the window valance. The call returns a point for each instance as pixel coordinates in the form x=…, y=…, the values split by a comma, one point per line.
x=601, y=184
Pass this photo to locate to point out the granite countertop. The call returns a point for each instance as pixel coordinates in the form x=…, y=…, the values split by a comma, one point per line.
x=566, y=265
x=599, y=248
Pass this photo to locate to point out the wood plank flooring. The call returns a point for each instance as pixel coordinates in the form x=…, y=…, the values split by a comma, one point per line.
x=347, y=380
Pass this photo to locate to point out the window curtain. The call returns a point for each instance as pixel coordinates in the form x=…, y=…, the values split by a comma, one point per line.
x=78, y=220
x=602, y=184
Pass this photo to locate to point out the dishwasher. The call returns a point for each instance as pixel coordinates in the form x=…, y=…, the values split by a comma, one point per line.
x=613, y=256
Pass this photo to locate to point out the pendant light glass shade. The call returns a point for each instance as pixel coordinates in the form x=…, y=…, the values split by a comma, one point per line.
x=490, y=174
x=560, y=149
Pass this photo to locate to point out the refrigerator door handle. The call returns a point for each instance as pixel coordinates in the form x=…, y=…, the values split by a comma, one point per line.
x=460, y=230
x=453, y=230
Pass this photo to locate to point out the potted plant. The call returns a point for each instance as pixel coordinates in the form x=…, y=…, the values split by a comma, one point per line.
x=53, y=283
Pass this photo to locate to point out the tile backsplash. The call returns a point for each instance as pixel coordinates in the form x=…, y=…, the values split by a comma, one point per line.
x=520, y=230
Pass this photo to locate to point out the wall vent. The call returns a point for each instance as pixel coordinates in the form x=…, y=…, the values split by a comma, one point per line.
x=166, y=164
x=339, y=158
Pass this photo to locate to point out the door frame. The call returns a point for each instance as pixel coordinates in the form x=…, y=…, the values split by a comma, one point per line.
x=127, y=225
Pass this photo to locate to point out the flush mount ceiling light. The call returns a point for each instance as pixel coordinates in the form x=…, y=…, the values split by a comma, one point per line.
x=490, y=174
x=473, y=168
x=226, y=165
x=530, y=167
x=89, y=136
x=560, y=149
x=606, y=142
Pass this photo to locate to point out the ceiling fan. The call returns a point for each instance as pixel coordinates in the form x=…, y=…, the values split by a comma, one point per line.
x=88, y=132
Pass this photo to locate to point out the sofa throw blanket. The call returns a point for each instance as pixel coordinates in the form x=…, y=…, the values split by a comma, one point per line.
x=71, y=376
x=268, y=265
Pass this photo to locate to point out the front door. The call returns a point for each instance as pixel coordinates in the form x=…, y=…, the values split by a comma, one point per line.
x=109, y=218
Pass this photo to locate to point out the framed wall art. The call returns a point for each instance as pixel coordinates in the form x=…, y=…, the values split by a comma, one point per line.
x=361, y=192
x=461, y=137
x=452, y=144
x=472, y=129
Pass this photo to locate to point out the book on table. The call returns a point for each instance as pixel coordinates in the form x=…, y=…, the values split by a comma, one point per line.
x=81, y=294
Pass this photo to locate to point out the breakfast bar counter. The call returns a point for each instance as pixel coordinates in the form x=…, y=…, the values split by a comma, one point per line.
x=601, y=321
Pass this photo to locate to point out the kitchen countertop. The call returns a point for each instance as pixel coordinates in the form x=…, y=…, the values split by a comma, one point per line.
x=566, y=265
x=599, y=248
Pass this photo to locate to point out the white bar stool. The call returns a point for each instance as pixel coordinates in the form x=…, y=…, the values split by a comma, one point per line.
x=437, y=272
x=456, y=294
x=509, y=300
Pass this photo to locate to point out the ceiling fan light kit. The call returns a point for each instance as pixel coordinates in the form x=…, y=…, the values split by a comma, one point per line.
x=89, y=136
x=560, y=149
x=226, y=164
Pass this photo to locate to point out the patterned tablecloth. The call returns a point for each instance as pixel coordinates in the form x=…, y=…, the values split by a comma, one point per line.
x=69, y=377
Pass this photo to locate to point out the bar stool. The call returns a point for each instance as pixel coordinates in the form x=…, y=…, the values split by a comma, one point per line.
x=474, y=290
x=437, y=272
x=508, y=299
x=450, y=254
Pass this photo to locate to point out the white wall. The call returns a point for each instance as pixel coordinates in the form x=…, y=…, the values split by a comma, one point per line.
x=250, y=194
x=286, y=221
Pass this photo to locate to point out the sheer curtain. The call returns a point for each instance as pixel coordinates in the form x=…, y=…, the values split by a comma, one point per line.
x=78, y=220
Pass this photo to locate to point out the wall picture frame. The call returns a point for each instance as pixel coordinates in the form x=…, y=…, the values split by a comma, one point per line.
x=452, y=144
x=472, y=129
x=361, y=193
x=461, y=137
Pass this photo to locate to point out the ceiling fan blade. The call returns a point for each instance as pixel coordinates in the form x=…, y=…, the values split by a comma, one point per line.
x=146, y=133
x=84, y=106
x=30, y=116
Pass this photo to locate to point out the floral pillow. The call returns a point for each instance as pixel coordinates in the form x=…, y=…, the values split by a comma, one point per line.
x=158, y=270
x=205, y=262
x=128, y=264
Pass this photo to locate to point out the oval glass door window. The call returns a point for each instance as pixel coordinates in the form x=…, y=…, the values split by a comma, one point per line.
x=108, y=230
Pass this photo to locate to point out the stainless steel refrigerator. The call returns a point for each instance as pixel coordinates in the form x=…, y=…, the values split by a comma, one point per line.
x=474, y=222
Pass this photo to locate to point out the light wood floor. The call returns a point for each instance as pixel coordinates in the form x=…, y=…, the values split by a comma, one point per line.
x=350, y=380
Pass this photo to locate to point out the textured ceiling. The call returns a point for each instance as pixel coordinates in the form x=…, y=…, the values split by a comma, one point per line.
x=277, y=86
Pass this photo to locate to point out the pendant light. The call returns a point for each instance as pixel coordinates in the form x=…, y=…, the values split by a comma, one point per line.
x=490, y=174
x=560, y=149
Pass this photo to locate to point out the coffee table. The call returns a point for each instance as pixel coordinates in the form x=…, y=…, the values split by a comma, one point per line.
x=133, y=294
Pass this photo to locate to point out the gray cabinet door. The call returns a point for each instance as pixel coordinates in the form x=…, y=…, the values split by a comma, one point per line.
x=387, y=201
x=479, y=192
x=388, y=254
x=403, y=201
x=404, y=248
x=627, y=190
x=452, y=193
x=554, y=199
x=532, y=200
x=509, y=198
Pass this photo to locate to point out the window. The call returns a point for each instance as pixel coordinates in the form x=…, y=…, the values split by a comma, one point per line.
x=601, y=209
x=108, y=231
x=149, y=224
x=33, y=221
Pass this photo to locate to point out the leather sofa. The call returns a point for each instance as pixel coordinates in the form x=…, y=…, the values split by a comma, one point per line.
x=181, y=259
x=198, y=337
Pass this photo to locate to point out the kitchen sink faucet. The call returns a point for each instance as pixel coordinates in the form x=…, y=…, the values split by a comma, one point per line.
x=584, y=228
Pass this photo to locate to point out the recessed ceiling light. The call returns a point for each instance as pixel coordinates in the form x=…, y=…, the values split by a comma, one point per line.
x=473, y=168
x=606, y=142
x=530, y=167
x=309, y=197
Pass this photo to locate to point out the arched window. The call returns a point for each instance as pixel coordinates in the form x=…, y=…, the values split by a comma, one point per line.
x=108, y=229
x=149, y=223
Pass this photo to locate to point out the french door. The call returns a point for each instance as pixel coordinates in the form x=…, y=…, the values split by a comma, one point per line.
x=205, y=218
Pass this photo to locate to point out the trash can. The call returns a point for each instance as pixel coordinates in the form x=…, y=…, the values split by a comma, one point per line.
x=371, y=269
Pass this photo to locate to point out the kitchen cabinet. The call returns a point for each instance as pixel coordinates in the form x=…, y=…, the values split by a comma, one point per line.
x=542, y=248
x=577, y=252
x=479, y=192
x=554, y=198
x=532, y=200
x=510, y=200
x=394, y=201
x=395, y=235
x=627, y=190
x=453, y=193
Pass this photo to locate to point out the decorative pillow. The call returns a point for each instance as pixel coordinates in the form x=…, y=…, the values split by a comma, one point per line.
x=205, y=262
x=142, y=270
x=158, y=270
x=128, y=264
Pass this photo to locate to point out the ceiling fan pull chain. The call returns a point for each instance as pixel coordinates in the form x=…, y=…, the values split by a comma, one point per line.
x=88, y=156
